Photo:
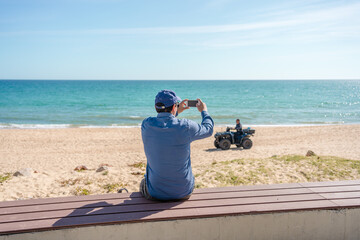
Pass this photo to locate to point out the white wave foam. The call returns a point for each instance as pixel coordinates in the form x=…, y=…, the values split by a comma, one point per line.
x=136, y=117
x=32, y=126
x=111, y=126
x=58, y=126
x=285, y=125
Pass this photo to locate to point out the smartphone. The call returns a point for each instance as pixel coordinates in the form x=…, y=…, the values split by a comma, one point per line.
x=192, y=103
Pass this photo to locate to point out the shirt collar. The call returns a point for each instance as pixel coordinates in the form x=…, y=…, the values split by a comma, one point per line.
x=164, y=115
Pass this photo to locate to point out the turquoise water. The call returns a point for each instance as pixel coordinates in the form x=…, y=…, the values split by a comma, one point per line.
x=38, y=104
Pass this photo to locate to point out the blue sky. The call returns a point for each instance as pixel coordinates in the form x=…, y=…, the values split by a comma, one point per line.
x=179, y=39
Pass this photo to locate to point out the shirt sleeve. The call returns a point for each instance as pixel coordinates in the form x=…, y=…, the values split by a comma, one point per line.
x=203, y=130
x=238, y=126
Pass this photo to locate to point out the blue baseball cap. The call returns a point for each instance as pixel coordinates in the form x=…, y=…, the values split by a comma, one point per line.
x=166, y=97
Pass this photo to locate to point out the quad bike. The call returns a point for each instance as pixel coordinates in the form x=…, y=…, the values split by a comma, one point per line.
x=241, y=138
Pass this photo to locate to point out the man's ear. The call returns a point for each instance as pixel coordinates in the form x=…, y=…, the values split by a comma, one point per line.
x=173, y=110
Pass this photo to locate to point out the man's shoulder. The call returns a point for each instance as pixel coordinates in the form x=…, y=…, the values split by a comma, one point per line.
x=147, y=121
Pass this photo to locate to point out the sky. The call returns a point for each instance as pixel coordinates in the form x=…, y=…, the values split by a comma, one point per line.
x=179, y=39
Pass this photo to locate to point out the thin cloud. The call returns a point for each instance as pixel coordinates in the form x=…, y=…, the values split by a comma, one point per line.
x=279, y=37
x=313, y=17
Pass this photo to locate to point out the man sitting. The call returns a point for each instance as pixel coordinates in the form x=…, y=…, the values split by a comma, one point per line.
x=238, y=129
x=238, y=126
x=167, y=148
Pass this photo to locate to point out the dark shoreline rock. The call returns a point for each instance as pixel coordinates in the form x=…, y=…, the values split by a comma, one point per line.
x=25, y=172
x=310, y=153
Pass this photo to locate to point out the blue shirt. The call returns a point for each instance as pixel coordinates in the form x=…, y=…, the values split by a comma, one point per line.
x=167, y=148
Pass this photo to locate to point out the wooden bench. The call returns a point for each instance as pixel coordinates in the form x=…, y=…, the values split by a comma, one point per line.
x=327, y=209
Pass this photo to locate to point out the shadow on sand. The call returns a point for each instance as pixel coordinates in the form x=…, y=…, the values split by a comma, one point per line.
x=219, y=150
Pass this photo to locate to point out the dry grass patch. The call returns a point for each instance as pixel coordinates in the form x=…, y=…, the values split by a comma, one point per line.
x=70, y=182
x=75, y=181
x=112, y=187
x=277, y=169
x=140, y=165
x=4, y=177
x=138, y=173
x=79, y=191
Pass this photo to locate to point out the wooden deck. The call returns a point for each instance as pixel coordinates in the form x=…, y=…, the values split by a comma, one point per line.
x=69, y=212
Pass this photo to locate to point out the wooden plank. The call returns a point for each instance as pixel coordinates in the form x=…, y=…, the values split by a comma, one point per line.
x=162, y=215
x=279, y=186
x=111, y=209
x=335, y=189
x=249, y=188
x=340, y=195
x=346, y=203
x=129, y=201
x=57, y=200
x=272, y=192
x=39, y=201
x=69, y=205
x=29, y=202
x=330, y=183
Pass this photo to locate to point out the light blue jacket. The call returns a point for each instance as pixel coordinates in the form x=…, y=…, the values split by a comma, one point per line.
x=167, y=148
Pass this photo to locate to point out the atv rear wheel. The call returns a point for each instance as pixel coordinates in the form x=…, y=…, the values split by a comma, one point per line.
x=216, y=144
x=247, y=143
x=225, y=144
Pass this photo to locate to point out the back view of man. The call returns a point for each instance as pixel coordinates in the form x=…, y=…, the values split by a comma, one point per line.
x=167, y=148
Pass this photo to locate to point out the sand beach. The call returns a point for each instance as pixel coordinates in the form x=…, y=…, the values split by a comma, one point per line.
x=277, y=156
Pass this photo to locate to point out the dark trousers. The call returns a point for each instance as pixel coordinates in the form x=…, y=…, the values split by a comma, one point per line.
x=146, y=194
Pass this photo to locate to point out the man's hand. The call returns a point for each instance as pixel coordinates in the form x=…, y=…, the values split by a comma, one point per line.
x=182, y=106
x=201, y=106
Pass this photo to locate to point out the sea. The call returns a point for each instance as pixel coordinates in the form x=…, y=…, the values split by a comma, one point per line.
x=121, y=104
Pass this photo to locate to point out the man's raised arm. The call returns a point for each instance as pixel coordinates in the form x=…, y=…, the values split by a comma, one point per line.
x=205, y=129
